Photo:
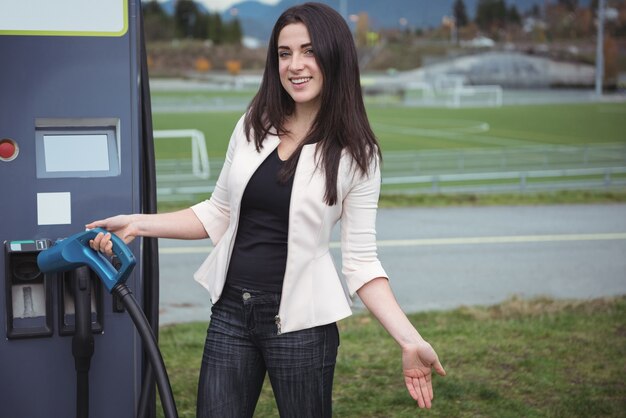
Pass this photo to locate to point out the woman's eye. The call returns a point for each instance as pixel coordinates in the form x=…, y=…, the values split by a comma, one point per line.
x=283, y=54
x=309, y=52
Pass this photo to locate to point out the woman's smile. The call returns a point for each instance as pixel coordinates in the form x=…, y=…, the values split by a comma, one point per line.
x=300, y=74
x=300, y=80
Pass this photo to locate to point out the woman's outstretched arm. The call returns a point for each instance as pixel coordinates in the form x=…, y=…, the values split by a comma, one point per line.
x=183, y=224
x=418, y=357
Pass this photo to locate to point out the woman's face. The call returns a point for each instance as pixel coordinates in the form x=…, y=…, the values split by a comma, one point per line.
x=299, y=73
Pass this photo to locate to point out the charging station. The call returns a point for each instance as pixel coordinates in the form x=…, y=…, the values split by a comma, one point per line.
x=75, y=146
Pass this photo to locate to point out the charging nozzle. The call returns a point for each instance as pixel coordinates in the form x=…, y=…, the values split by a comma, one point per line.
x=72, y=252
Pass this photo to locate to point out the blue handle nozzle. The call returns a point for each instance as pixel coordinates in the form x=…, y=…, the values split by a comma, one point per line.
x=74, y=251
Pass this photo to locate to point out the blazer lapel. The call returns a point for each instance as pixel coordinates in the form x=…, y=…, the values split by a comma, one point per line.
x=307, y=195
x=248, y=160
x=306, y=166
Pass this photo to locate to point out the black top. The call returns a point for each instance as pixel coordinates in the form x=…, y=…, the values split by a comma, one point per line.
x=259, y=256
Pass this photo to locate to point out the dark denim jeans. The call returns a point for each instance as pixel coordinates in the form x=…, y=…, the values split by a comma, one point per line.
x=243, y=344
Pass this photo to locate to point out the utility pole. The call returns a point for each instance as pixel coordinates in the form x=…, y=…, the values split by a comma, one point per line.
x=600, y=48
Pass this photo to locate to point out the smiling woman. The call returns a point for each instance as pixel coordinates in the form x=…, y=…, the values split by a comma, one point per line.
x=301, y=159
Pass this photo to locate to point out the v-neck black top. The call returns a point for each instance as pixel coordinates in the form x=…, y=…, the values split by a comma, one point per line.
x=259, y=255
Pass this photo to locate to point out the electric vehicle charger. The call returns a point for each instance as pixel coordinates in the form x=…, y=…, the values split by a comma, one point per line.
x=74, y=252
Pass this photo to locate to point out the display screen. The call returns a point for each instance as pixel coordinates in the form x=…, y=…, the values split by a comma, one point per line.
x=77, y=152
x=72, y=153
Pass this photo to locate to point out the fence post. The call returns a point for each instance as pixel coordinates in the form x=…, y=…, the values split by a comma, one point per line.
x=435, y=184
x=607, y=177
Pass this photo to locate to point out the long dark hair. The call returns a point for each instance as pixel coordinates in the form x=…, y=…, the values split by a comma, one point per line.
x=341, y=122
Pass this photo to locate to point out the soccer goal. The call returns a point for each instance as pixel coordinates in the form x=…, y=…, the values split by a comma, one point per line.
x=474, y=96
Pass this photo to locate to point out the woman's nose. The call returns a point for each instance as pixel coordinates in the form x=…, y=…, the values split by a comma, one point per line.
x=296, y=63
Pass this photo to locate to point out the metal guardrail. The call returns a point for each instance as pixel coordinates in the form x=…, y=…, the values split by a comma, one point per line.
x=525, y=158
x=510, y=181
x=510, y=169
x=522, y=176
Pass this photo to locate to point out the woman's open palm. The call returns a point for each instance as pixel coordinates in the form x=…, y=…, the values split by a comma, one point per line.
x=417, y=364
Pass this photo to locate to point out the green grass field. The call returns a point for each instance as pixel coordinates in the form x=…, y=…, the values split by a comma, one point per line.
x=490, y=140
x=403, y=129
x=537, y=358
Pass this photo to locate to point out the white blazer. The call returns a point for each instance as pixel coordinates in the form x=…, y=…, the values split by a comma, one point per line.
x=312, y=292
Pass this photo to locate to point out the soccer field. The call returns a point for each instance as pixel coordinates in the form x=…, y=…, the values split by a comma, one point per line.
x=441, y=150
x=419, y=129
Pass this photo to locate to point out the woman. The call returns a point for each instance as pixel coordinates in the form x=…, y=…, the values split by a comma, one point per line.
x=302, y=158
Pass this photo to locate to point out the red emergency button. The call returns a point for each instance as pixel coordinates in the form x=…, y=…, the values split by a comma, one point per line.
x=8, y=149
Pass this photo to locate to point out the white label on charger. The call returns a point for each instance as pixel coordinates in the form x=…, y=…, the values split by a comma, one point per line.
x=54, y=208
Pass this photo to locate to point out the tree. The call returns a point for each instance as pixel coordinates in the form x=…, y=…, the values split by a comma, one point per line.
x=232, y=32
x=200, y=28
x=513, y=16
x=186, y=16
x=569, y=5
x=157, y=25
x=216, y=29
x=535, y=11
x=460, y=13
x=189, y=22
x=152, y=8
x=490, y=14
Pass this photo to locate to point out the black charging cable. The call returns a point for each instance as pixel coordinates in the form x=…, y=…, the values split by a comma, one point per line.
x=82, y=340
x=151, y=348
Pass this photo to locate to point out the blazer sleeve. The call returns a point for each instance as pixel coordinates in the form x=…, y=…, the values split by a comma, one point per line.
x=214, y=213
x=360, y=262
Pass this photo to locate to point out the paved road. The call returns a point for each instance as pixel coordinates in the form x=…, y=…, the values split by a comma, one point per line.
x=441, y=258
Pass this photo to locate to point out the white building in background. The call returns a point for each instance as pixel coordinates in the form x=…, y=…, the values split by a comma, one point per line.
x=251, y=43
x=479, y=42
x=508, y=69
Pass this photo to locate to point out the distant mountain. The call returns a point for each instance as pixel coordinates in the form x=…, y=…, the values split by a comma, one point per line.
x=257, y=18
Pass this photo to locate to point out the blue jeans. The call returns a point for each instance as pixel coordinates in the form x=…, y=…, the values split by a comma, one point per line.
x=243, y=344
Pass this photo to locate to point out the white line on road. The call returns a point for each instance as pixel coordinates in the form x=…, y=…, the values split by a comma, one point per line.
x=446, y=241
